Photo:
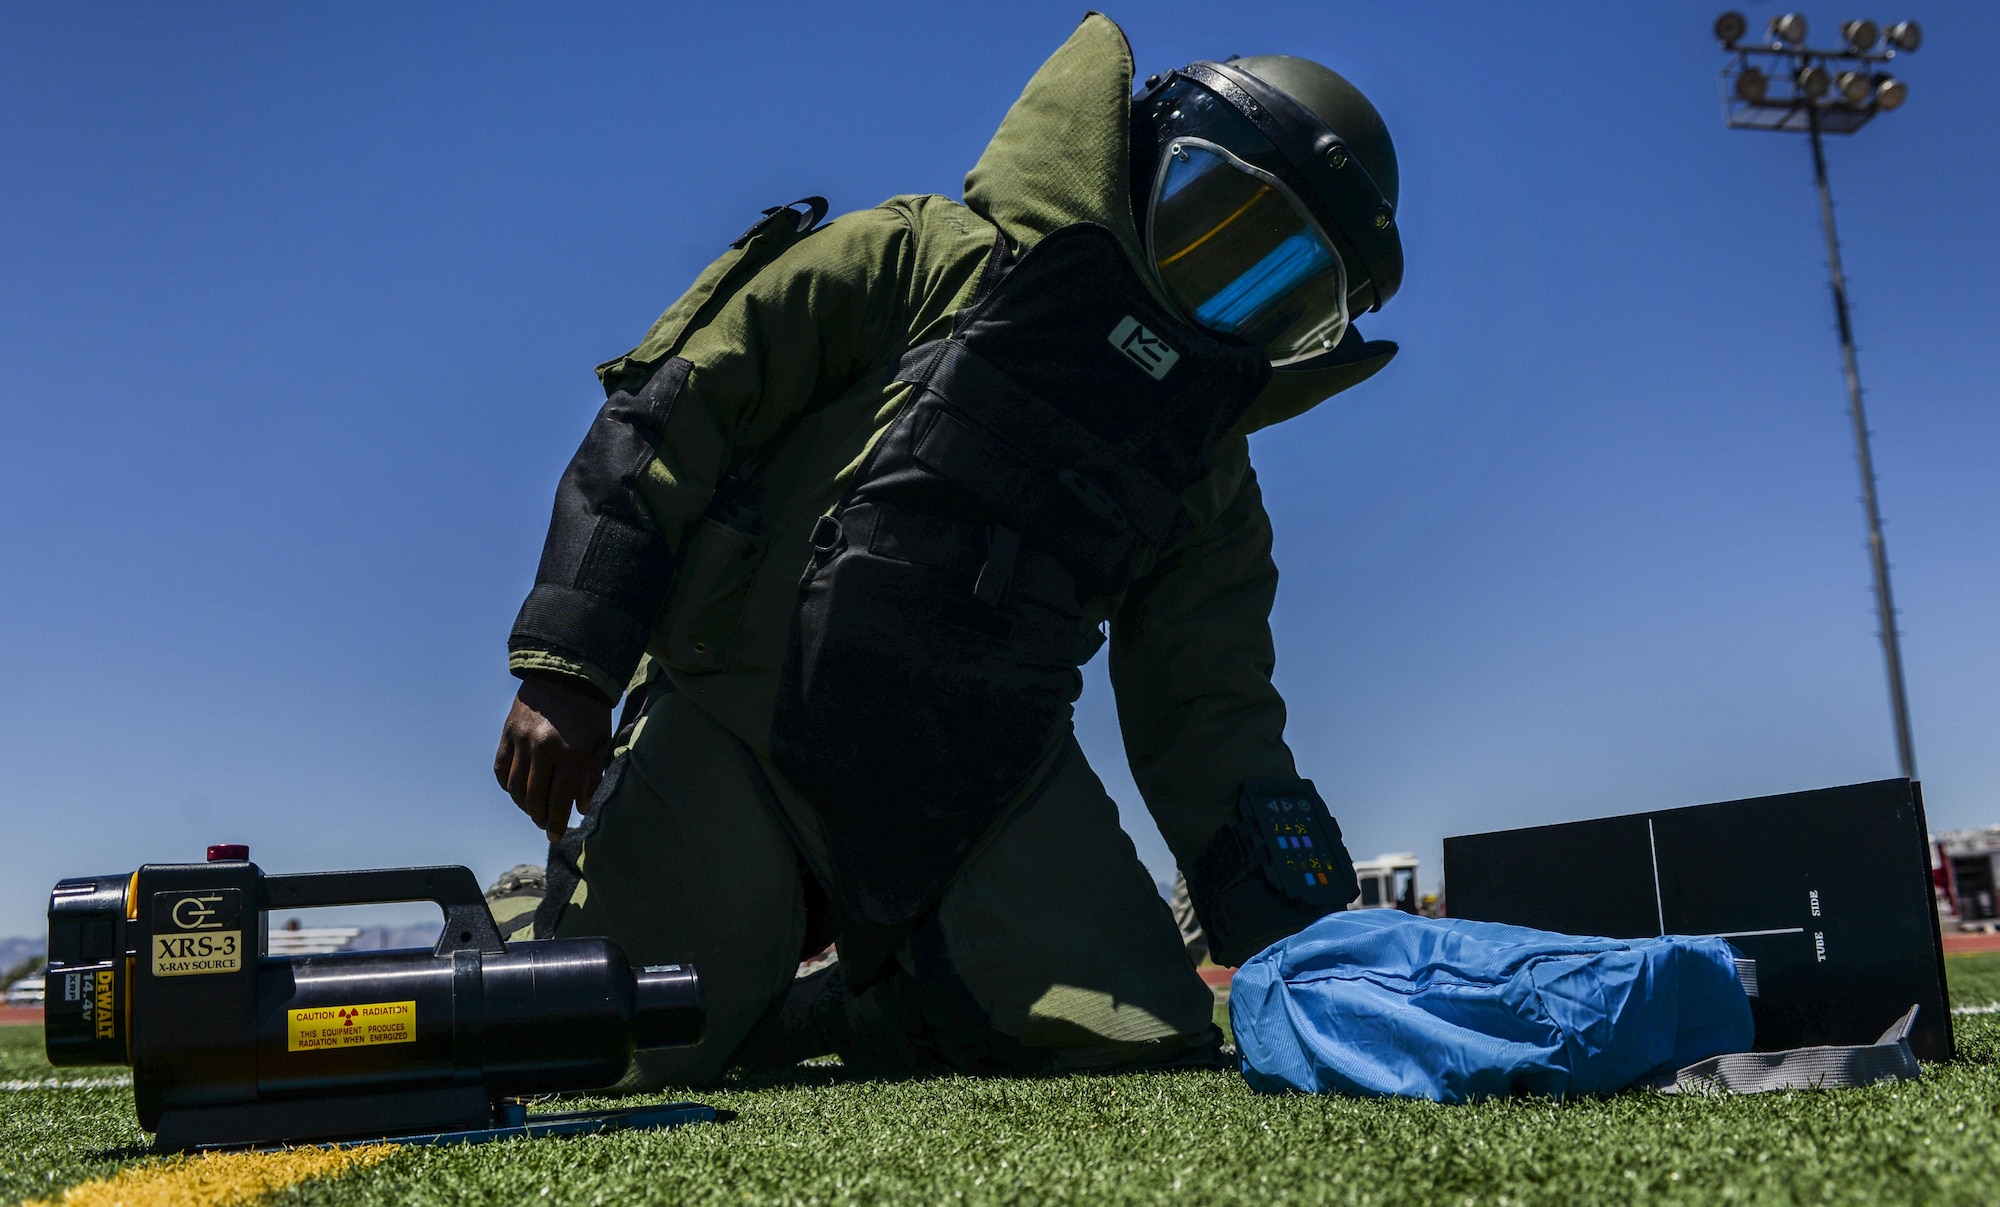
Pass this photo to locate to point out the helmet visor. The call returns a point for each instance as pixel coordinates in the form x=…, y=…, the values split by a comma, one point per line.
x=1235, y=249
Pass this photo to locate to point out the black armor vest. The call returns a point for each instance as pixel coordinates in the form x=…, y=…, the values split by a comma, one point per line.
x=936, y=649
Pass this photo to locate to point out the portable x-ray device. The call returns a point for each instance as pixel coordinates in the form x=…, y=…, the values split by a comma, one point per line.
x=163, y=969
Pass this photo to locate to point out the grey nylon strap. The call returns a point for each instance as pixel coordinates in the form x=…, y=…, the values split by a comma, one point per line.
x=1746, y=972
x=1820, y=1068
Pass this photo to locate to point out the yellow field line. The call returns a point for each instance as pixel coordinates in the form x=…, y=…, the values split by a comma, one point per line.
x=215, y=1179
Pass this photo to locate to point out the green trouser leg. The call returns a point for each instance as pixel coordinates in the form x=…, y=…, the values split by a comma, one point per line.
x=1052, y=942
x=688, y=866
x=1062, y=937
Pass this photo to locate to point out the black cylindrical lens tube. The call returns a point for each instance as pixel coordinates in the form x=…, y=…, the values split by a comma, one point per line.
x=542, y=1017
x=668, y=1010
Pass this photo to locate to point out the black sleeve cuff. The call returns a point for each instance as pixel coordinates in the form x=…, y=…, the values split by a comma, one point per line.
x=606, y=565
x=582, y=627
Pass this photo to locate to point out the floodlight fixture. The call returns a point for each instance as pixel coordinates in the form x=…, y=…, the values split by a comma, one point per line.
x=1782, y=82
x=1790, y=28
x=1785, y=85
x=1860, y=35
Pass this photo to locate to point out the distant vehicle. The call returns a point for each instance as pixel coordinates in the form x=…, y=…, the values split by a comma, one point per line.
x=28, y=991
x=1387, y=882
x=1965, y=878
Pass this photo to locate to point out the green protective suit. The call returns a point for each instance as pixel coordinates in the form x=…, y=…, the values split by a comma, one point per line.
x=1051, y=946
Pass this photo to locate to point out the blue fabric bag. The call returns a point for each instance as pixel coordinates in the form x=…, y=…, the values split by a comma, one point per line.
x=1372, y=1002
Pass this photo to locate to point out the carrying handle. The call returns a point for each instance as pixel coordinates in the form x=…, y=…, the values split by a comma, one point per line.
x=468, y=924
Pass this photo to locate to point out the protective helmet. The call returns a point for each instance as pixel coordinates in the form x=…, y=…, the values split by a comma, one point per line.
x=1266, y=194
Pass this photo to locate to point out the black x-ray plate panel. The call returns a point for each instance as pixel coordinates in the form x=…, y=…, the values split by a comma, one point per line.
x=1829, y=891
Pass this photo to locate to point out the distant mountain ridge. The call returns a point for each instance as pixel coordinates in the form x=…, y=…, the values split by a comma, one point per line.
x=15, y=950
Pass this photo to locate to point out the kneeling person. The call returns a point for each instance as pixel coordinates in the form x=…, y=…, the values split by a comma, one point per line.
x=867, y=498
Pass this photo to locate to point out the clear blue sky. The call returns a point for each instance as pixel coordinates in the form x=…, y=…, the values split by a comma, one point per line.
x=300, y=304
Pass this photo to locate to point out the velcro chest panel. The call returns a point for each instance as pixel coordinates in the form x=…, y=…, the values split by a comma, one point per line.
x=1074, y=408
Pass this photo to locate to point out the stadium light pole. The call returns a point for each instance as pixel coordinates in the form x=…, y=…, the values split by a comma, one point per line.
x=1784, y=85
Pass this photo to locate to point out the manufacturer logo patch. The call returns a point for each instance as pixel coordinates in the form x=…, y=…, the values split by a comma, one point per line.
x=1143, y=348
x=197, y=932
x=197, y=909
x=198, y=954
x=101, y=1004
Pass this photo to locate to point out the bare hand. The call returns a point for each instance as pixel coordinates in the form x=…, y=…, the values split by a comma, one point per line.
x=552, y=750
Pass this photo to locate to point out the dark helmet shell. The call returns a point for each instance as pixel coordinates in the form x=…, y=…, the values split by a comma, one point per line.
x=1311, y=128
x=1330, y=98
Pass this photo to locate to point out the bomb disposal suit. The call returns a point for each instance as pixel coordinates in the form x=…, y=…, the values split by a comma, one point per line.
x=864, y=501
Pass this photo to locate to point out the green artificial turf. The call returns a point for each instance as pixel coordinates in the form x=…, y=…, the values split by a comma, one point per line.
x=817, y=1135
x=52, y=1138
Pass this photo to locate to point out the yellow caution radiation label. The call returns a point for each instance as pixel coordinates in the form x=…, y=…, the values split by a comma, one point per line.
x=198, y=954
x=350, y=1026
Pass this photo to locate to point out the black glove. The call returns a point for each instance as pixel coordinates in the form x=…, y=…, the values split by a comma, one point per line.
x=1280, y=867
